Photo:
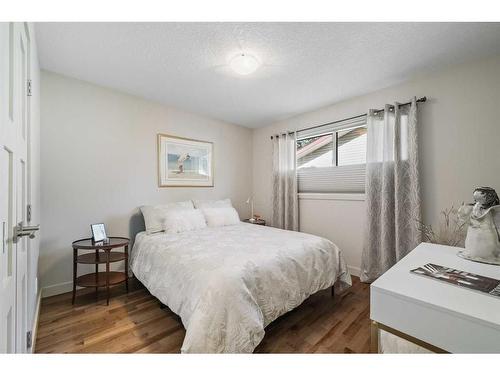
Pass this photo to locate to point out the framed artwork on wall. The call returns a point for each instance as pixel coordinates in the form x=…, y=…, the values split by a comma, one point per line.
x=185, y=162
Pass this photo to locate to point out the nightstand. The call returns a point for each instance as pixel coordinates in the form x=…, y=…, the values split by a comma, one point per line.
x=257, y=221
x=101, y=254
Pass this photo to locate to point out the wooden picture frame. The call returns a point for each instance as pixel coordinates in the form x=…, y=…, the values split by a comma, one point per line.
x=184, y=162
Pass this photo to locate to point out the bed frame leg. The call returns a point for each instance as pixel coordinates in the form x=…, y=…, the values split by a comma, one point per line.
x=333, y=292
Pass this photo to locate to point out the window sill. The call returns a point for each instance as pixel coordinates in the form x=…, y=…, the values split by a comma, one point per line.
x=332, y=196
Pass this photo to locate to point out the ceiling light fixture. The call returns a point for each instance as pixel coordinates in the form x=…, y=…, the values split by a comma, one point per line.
x=244, y=64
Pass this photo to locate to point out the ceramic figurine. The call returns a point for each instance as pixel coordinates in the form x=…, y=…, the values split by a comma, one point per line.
x=482, y=243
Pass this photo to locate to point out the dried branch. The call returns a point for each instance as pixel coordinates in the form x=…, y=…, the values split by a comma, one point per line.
x=451, y=230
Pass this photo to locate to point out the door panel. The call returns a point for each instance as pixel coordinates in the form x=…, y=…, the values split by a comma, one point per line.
x=8, y=156
x=21, y=261
x=10, y=52
x=7, y=259
x=10, y=330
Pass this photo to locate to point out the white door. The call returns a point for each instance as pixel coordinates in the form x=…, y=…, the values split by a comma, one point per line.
x=14, y=129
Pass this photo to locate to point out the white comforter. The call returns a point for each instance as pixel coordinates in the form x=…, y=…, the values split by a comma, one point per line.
x=228, y=283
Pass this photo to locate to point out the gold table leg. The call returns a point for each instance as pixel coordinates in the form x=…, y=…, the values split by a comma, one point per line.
x=374, y=338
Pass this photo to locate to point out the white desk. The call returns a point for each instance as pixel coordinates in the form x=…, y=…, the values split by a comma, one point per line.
x=435, y=314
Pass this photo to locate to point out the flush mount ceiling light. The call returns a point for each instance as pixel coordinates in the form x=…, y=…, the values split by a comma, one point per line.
x=244, y=64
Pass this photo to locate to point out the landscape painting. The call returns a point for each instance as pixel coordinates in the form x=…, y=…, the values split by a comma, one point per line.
x=184, y=162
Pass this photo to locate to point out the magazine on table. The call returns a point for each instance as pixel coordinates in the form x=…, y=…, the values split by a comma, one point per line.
x=463, y=279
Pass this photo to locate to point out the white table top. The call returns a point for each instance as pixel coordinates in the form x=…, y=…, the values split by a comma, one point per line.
x=469, y=304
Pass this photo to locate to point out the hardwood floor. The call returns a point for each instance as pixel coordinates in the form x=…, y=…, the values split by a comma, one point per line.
x=136, y=323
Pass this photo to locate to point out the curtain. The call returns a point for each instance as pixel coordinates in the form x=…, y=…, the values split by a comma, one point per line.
x=284, y=199
x=392, y=189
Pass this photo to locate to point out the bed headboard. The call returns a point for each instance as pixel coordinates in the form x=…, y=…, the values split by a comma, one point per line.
x=136, y=225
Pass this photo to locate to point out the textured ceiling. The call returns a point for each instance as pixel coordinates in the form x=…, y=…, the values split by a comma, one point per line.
x=305, y=65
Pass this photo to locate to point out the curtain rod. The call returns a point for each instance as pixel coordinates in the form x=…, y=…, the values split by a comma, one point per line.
x=420, y=100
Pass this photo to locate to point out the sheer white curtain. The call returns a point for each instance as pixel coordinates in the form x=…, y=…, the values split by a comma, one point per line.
x=284, y=200
x=392, y=189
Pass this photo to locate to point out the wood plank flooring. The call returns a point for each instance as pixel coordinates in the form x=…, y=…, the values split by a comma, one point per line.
x=135, y=323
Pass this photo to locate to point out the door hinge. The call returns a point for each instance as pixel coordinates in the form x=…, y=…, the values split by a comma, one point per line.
x=28, y=339
x=28, y=213
x=28, y=87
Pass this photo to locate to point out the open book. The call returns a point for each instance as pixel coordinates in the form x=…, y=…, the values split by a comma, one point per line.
x=464, y=279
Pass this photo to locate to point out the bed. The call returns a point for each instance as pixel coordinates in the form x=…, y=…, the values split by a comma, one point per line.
x=228, y=283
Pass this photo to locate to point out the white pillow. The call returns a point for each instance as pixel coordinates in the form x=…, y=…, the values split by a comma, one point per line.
x=178, y=221
x=212, y=203
x=221, y=216
x=155, y=215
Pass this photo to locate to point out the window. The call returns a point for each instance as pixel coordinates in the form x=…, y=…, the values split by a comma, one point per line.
x=332, y=158
x=351, y=146
x=345, y=147
x=316, y=151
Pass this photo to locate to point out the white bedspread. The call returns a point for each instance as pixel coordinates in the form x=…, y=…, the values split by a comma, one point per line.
x=228, y=283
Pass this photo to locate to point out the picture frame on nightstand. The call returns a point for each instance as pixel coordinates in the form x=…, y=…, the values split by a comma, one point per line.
x=98, y=233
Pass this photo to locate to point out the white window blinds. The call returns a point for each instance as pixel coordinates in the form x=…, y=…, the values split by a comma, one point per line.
x=331, y=158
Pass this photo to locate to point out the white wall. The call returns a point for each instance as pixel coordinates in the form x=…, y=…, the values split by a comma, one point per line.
x=459, y=131
x=99, y=164
x=99, y=158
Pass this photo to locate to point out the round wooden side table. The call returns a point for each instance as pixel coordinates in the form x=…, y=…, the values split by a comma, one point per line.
x=102, y=254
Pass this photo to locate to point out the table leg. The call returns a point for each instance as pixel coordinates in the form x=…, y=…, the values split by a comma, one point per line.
x=126, y=267
x=75, y=253
x=96, y=275
x=107, y=277
x=374, y=337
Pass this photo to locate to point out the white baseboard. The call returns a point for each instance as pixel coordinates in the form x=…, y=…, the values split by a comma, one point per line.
x=53, y=290
x=355, y=271
x=34, y=329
